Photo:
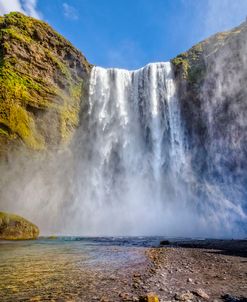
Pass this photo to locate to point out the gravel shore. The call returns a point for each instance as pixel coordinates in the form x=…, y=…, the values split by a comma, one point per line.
x=212, y=270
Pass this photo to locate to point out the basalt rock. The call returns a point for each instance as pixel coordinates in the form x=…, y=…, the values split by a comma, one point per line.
x=211, y=83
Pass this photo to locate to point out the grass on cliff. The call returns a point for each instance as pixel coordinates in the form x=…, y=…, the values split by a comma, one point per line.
x=21, y=88
x=191, y=64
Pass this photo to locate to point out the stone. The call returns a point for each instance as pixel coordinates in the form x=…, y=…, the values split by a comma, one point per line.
x=14, y=227
x=186, y=296
x=150, y=297
x=201, y=293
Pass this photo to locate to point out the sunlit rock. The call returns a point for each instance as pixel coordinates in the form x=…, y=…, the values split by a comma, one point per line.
x=14, y=227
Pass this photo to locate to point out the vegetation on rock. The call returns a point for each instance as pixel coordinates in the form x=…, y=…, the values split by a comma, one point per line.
x=13, y=227
x=42, y=83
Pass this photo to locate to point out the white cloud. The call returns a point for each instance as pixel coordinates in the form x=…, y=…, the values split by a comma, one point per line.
x=27, y=7
x=70, y=12
x=224, y=14
x=30, y=7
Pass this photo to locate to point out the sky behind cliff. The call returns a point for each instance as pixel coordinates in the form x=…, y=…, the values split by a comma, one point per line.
x=132, y=33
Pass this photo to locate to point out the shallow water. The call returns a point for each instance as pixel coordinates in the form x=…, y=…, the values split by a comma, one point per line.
x=70, y=268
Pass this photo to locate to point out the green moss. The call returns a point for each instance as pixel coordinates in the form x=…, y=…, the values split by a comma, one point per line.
x=76, y=90
x=182, y=62
x=14, y=91
x=14, y=227
x=17, y=119
x=26, y=93
x=21, y=87
x=4, y=132
x=58, y=63
x=69, y=119
x=190, y=64
x=16, y=34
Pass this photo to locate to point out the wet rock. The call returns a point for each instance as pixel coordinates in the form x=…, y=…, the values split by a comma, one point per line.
x=230, y=298
x=164, y=242
x=201, y=293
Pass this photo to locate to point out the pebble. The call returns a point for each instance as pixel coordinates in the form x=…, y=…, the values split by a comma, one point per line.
x=184, y=296
x=201, y=293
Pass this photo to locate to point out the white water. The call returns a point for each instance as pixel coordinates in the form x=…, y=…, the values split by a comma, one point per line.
x=128, y=170
x=132, y=151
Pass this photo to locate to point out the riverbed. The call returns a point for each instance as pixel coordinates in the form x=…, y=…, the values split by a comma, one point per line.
x=123, y=269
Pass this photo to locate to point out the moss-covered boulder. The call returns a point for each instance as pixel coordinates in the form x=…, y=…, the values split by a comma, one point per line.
x=43, y=81
x=14, y=227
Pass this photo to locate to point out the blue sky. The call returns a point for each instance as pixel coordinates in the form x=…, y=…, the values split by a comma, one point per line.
x=132, y=33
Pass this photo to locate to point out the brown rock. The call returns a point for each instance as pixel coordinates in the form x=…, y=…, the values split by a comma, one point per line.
x=201, y=293
x=150, y=297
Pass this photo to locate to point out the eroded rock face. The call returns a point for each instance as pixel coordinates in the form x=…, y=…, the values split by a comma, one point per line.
x=13, y=227
x=211, y=79
x=42, y=85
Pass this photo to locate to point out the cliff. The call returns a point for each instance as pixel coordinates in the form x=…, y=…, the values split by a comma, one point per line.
x=211, y=79
x=42, y=84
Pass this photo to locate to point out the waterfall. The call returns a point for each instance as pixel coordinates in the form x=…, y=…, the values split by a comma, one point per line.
x=132, y=146
x=130, y=169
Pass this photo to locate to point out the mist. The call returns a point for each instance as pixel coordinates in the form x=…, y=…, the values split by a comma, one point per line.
x=128, y=169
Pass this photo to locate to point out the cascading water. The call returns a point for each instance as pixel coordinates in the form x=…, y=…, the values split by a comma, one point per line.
x=130, y=169
x=135, y=150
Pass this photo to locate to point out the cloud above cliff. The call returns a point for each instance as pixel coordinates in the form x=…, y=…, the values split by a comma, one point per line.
x=221, y=15
x=70, y=12
x=27, y=7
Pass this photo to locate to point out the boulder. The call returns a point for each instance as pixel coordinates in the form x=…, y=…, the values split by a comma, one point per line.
x=201, y=293
x=14, y=227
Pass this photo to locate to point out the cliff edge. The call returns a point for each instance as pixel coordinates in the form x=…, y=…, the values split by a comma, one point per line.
x=42, y=84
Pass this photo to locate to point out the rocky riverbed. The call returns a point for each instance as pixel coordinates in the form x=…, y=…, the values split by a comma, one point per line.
x=200, y=270
x=111, y=270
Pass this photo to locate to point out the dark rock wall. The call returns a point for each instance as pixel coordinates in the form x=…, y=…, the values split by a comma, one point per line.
x=211, y=80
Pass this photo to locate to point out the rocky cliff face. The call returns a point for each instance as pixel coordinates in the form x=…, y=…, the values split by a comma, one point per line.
x=211, y=79
x=42, y=84
x=43, y=90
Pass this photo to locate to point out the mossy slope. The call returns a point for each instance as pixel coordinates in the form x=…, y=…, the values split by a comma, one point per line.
x=14, y=227
x=42, y=82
